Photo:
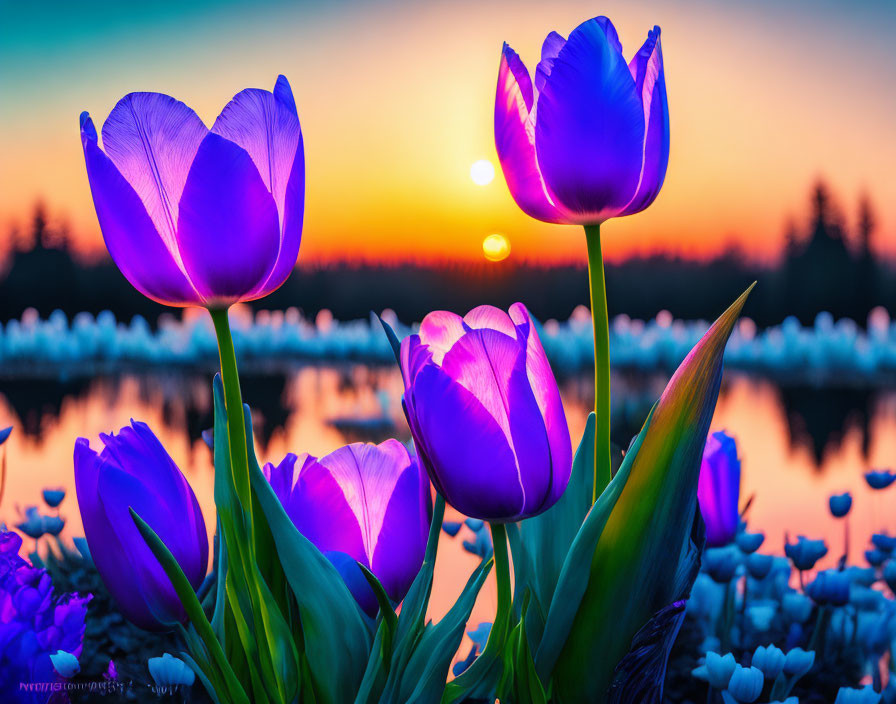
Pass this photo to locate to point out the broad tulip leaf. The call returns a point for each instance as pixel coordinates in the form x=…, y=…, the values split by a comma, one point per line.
x=635, y=568
x=337, y=641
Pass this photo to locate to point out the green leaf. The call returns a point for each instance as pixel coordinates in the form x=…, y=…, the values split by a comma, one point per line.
x=193, y=608
x=635, y=565
x=393, y=339
x=337, y=641
x=386, y=610
x=520, y=683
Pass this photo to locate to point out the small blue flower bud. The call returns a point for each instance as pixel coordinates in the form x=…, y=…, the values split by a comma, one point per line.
x=829, y=587
x=769, y=659
x=865, y=695
x=875, y=558
x=880, y=478
x=721, y=563
x=798, y=662
x=884, y=543
x=65, y=664
x=53, y=497
x=805, y=553
x=796, y=607
x=169, y=671
x=451, y=527
x=749, y=542
x=840, y=504
x=719, y=669
x=759, y=565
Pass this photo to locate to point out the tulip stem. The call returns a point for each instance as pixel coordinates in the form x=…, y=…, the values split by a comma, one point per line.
x=498, y=634
x=600, y=320
x=233, y=403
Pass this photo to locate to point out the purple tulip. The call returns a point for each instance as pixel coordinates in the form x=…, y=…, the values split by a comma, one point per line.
x=590, y=140
x=486, y=414
x=370, y=503
x=135, y=471
x=194, y=216
x=718, y=489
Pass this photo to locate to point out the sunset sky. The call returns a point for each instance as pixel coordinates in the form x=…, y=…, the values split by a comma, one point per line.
x=396, y=102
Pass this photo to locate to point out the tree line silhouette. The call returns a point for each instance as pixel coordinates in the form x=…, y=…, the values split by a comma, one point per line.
x=828, y=266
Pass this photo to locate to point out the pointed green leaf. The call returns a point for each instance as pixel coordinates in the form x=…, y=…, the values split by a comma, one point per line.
x=637, y=558
x=393, y=339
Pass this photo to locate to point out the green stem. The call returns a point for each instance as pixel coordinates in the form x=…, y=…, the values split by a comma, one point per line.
x=600, y=319
x=233, y=402
x=498, y=634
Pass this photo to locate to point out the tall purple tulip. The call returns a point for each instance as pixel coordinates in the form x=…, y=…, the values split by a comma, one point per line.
x=486, y=414
x=194, y=216
x=590, y=139
x=366, y=503
x=718, y=489
x=134, y=471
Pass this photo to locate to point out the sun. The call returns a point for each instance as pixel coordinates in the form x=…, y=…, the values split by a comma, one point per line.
x=496, y=248
x=482, y=172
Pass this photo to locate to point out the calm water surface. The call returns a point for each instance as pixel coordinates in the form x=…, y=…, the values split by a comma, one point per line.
x=798, y=444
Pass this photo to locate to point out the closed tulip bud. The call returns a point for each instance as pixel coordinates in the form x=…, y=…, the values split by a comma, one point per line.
x=759, y=565
x=798, y=662
x=880, y=478
x=840, y=504
x=53, y=497
x=362, y=503
x=169, y=671
x=749, y=542
x=721, y=563
x=875, y=557
x=590, y=139
x=884, y=543
x=452, y=528
x=865, y=695
x=769, y=659
x=65, y=664
x=760, y=615
x=134, y=471
x=4, y=434
x=198, y=216
x=718, y=489
x=805, y=553
x=719, y=669
x=796, y=607
x=866, y=576
x=746, y=684
x=830, y=587
x=486, y=414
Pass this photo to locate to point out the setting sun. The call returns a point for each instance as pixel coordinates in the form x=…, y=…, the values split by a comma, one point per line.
x=482, y=172
x=496, y=248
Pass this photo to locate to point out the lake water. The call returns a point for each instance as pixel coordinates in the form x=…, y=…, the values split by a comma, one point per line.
x=798, y=444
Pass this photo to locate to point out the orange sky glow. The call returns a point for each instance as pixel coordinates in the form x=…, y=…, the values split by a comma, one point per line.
x=396, y=101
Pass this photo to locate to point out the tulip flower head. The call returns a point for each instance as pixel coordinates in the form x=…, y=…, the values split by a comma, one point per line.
x=798, y=662
x=169, y=671
x=749, y=542
x=769, y=659
x=588, y=140
x=796, y=607
x=759, y=565
x=865, y=695
x=65, y=664
x=840, y=504
x=885, y=543
x=880, y=478
x=804, y=553
x=53, y=497
x=718, y=489
x=746, y=683
x=4, y=434
x=363, y=503
x=486, y=414
x=719, y=669
x=198, y=216
x=134, y=471
x=829, y=587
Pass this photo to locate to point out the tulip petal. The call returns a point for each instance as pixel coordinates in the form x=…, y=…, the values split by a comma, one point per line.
x=131, y=237
x=401, y=543
x=152, y=139
x=547, y=396
x=515, y=140
x=650, y=81
x=267, y=126
x=490, y=317
x=465, y=471
x=439, y=331
x=228, y=230
x=589, y=133
x=553, y=43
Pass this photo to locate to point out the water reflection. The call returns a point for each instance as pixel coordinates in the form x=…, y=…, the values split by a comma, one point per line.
x=798, y=444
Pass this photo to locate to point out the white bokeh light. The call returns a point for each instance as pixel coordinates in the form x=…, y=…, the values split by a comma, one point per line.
x=482, y=172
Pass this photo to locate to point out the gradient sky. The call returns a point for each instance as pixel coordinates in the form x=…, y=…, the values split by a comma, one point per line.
x=396, y=102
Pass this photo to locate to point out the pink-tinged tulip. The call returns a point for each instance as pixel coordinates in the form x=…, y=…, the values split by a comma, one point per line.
x=590, y=139
x=361, y=503
x=486, y=414
x=718, y=489
x=198, y=216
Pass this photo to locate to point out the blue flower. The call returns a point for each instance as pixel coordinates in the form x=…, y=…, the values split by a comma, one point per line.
x=461, y=665
x=796, y=607
x=884, y=543
x=749, y=542
x=65, y=664
x=769, y=659
x=840, y=504
x=474, y=524
x=719, y=669
x=33, y=526
x=889, y=574
x=761, y=615
x=804, y=553
x=880, y=478
x=865, y=695
x=759, y=565
x=53, y=497
x=829, y=587
x=169, y=671
x=866, y=576
x=4, y=434
x=721, y=563
x=798, y=662
x=479, y=635
x=451, y=527
x=746, y=683
x=875, y=558
x=54, y=524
